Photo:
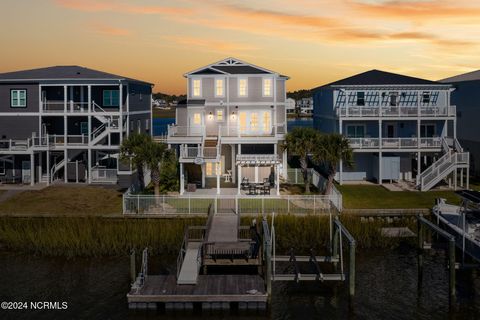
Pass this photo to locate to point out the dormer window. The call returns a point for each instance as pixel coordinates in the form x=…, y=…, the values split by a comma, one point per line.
x=197, y=88
x=360, y=98
x=242, y=87
x=219, y=87
x=267, y=87
x=426, y=97
x=393, y=99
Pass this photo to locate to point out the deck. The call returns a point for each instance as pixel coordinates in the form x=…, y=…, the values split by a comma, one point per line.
x=209, y=290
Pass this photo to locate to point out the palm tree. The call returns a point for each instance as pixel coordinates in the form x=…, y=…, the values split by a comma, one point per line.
x=302, y=142
x=132, y=149
x=332, y=148
x=154, y=155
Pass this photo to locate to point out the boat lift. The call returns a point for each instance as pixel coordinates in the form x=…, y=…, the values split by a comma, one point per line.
x=338, y=233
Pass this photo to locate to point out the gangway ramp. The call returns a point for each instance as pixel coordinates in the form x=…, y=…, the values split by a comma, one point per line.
x=191, y=264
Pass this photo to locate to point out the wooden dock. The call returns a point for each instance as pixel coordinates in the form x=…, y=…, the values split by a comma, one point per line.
x=210, y=292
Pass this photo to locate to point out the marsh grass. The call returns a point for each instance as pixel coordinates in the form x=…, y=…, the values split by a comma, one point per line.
x=305, y=233
x=92, y=236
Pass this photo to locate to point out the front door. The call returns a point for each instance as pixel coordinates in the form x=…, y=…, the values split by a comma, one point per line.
x=26, y=172
x=390, y=130
x=195, y=123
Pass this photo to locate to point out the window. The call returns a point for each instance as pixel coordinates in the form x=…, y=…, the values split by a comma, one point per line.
x=242, y=87
x=242, y=121
x=209, y=168
x=427, y=130
x=266, y=122
x=110, y=98
x=254, y=120
x=2, y=167
x=426, y=97
x=360, y=98
x=197, y=118
x=267, y=87
x=355, y=131
x=393, y=99
x=219, y=88
x=219, y=114
x=197, y=88
x=18, y=98
x=84, y=128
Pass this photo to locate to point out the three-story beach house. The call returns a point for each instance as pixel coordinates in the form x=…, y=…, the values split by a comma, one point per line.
x=229, y=130
x=67, y=123
x=400, y=128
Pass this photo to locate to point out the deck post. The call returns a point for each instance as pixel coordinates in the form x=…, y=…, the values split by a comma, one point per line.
x=133, y=272
x=218, y=176
x=420, y=252
x=239, y=178
x=32, y=169
x=451, y=264
x=48, y=165
x=351, y=270
x=182, y=187
x=335, y=246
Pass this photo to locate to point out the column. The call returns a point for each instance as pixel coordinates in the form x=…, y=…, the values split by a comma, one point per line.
x=64, y=98
x=419, y=167
x=65, y=156
x=232, y=147
x=277, y=173
x=239, y=178
x=380, y=167
x=340, y=171
x=32, y=169
x=48, y=167
x=182, y=181
x=285, y=164
x=89, y=165
x=120, y=109
x=40, y=166
x=202, y=167
x=217, y=171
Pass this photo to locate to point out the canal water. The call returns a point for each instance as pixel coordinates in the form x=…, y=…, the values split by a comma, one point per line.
x=95, y=288
x=160, y=124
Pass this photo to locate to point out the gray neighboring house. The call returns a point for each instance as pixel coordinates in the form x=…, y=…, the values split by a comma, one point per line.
x=67, y=123
x=467, y=99
x=399, y=127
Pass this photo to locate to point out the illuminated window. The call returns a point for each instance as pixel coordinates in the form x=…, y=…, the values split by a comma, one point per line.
x=267, y=87
x=266, y=121
x=219, y=88
x=197, y=87
x=209, y=167
x=197, y=119
x=219, y=115
x=242, y=87
x=254, y=120
x=243, y=121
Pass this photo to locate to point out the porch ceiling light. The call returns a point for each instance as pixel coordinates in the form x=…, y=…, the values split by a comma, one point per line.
x=234, y=116
x=210, y=116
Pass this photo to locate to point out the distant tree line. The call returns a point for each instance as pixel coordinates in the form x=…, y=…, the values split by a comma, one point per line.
x=169, y=98
x=299, y=94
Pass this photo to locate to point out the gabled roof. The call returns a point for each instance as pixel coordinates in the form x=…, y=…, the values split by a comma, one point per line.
x=231, y=66
x=62, y=73
x=378, y=78
x=469, y=76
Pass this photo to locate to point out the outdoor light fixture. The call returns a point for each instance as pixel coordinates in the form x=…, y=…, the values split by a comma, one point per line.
x=233, y=115
x=271, y=107
x=210, y=116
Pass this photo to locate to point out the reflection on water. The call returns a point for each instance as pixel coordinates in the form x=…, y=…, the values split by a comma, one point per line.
x=386, y=288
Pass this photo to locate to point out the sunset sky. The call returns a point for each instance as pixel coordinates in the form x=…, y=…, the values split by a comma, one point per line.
x=312, y=41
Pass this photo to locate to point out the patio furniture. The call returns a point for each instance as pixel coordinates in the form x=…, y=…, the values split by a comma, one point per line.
x=266, y=188
x=252, y=190
x=244, y=185
x=228, y=176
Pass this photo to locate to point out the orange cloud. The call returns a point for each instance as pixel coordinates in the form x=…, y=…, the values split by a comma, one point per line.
x=115, y=6
x=210, y=44
x=109, y=30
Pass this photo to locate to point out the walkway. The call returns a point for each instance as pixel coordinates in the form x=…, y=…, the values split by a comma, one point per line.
x=224, y=228
x=189, y=270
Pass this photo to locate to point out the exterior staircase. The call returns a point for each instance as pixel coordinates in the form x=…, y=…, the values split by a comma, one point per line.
x=454, y=158
x=56, y=167
x=109, y=124
x=211, y=149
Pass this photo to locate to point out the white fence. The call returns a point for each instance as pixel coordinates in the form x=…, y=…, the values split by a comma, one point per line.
x=241, y=204
x=295, y=176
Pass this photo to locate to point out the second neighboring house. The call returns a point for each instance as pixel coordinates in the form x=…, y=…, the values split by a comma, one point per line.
x=466, y=97
x=67, y=123
x=305, y=105
x=230, y=128
x=399, y=127
x=290, y=106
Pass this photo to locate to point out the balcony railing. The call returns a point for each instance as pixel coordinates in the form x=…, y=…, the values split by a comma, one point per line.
x=186, y=131
x=251, y=131
x=14, y=145
x=395, y=143
x=101, y=174
x=399, y=111
x=52, y=106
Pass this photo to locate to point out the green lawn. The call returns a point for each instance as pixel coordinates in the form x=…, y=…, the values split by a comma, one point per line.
x=65, y=200
x=377, y=197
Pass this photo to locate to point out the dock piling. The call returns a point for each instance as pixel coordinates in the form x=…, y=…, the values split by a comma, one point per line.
x=133, y=271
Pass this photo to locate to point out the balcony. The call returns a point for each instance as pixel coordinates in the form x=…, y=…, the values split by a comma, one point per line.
x=252, y=131
x=191, y=153
x=396, y=143
x=395, y=112
x=186, y=131
x=70, y=106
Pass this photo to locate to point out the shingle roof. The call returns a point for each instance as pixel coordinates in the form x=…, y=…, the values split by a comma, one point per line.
x=240, y=69
x=378, y=77
x=469, y=76
x=63, y=72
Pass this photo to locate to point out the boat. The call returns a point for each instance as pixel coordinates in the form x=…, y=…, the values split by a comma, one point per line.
x=462, y=221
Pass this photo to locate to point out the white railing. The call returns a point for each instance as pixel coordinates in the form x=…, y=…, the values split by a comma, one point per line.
x=77, y=139
x=186, y=131
x=14, y=145
x=101, y=174
x=395, y=143
x=257, y=158
x=295, y=176
x=210, y=152
x=395, y=111
x=242, y=204
x=58, y=106
x=249, y=130
x=189, y=152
